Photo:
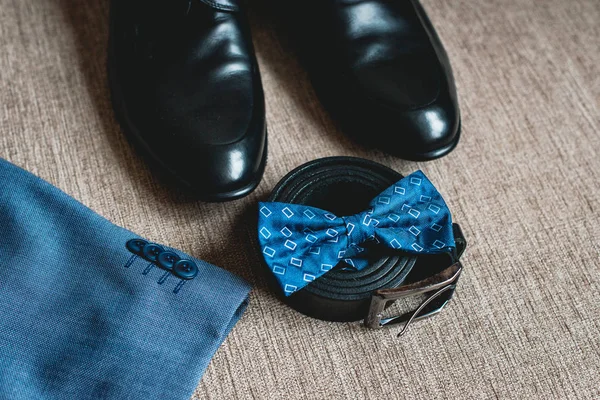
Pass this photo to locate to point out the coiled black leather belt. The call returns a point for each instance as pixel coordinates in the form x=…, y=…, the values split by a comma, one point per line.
x=346, y=186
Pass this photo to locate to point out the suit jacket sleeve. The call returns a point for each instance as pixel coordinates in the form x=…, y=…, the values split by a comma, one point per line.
x=82, y=317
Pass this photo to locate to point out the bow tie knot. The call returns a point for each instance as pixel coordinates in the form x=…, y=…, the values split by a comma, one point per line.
x=360, y=227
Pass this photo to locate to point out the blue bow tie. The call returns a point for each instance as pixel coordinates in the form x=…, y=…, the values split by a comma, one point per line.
x=301, y=243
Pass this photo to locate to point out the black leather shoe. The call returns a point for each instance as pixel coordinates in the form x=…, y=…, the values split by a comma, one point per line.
x=186, y=88
x=380, y=69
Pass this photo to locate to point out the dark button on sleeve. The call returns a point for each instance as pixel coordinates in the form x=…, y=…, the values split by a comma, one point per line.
x=136, y=246
x=185, y=269
x=152, y=251
x=167, y=260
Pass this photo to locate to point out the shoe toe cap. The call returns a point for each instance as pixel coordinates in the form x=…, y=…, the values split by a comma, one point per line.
x=218, y=172
x=429, y=132
x=406, y=106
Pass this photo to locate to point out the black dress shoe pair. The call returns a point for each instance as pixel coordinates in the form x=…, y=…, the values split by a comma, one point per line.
x=186, y=87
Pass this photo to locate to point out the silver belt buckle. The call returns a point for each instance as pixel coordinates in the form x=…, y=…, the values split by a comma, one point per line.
x=442, y=285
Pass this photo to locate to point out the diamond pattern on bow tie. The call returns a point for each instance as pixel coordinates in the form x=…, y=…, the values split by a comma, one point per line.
x=301, y=243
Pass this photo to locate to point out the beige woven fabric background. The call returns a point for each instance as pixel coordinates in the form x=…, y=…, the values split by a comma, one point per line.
x=524, y=184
